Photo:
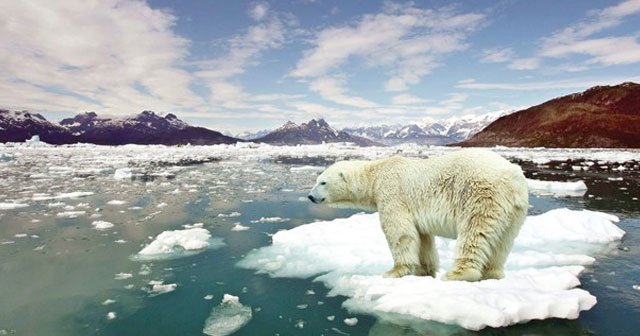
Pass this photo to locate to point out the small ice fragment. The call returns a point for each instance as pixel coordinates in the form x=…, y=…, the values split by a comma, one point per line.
x=123, y=276
x=208, y=297
x=310, y=292
x=156, y=288
x=20, y=235
x=233, y=214
x=11, y=206
x=302, y=306
x=144, y=270
x=177, y=243
x=191, y=226
x=351, y=321
x=161, y=205
x=122, y=174
x=331, y=317
x=228, y=317
x=270, y=220
x=111, y=315
x=239, y=227
x=576, y=189
x=615, y=178
x=116, y=202
x=70, y=214
x=102, y=225
x=636, y=287
x=120, y=241
x=299, y=324
x=108, y=302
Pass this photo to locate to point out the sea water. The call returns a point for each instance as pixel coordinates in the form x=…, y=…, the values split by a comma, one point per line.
x=63, y=271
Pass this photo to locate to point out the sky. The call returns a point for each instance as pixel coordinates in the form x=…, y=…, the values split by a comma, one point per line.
x=250, y=65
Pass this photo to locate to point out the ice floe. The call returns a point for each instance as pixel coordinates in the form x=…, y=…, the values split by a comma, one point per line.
x=157, y=287
x=69, y=195
x=350, y=254
x=270, y=220
x=178, y=243
x=102, y=225
x=239, y=227
x=70, y=214
x=555, y=188
x=228, y=317
x=123, y=174
x=11, y=206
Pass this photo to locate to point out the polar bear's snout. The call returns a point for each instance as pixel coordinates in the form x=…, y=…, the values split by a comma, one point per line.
x=316, y=196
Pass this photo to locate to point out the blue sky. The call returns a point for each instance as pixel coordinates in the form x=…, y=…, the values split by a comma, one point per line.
x=249, y=65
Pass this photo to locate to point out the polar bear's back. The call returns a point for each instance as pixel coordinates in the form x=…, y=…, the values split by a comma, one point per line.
x=444, y=190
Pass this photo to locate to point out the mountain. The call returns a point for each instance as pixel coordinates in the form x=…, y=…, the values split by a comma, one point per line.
x=252, y=135
x=313, y=132
x=432, y=132
x=144, y=128
x=602, y=116
x=18, y=126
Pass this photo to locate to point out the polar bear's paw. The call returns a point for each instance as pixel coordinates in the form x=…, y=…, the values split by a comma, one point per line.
x=400, y=270
x=463, y=274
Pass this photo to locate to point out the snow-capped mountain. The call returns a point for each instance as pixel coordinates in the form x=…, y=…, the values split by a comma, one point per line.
x=313, y=132
x=143, y=128
x=252, y=135
x=432, y=132
x=18, y=126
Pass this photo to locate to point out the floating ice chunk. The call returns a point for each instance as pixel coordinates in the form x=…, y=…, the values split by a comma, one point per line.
x=575, y=189
x=228, y=317
x=70, y=195
x=162, y=205
x=123, y=276
x=239, y=227
x=11, y=206
x=111, y=315
x=123, y=174
x=178, y=243
x=20, y=235
x=307, y=169
x=541, y=272
x=351, y=321
x=208, y=297
x=270, y=220
x=233, y=214
x=156, y=288
x=102, y=225
x=191, y=226
x=615, y=178
x=116, y=202
x=108, y=302
x=70, y=214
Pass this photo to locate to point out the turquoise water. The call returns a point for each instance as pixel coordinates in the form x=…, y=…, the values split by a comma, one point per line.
x=55, y=280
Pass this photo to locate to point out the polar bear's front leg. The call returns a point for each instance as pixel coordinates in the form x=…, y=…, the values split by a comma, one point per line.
x=404, y=243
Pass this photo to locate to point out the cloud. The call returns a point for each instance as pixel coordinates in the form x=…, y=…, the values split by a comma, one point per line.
x=611, y=50
x=258, y=11
x=497, y=55
x=407, y=99
x=573, y=83
x=115, y=56
x=332, y=89
x=530, y=63
x=405, y=40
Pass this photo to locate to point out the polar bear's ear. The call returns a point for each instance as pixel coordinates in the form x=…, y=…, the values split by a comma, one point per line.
x=342, y=176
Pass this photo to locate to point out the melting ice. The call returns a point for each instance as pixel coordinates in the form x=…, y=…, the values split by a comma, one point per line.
x=541, y=272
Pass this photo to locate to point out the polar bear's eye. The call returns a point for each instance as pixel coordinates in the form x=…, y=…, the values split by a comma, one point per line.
x=323, y=183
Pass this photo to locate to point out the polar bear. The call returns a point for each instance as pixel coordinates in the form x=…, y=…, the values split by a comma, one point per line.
x=472, y=195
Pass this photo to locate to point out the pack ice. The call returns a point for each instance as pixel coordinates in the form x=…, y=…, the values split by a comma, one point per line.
x=541, y=280
x=227, y=318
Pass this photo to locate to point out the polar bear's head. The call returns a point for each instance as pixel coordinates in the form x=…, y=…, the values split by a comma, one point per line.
x=341, y=185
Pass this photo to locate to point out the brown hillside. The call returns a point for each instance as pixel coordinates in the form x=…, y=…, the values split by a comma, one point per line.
x=602, y=116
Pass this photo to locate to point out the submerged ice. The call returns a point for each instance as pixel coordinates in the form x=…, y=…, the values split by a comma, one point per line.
x=540, y=282
x=228, y=317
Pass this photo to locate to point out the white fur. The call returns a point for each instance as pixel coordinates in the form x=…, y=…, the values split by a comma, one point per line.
x=473, y=195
